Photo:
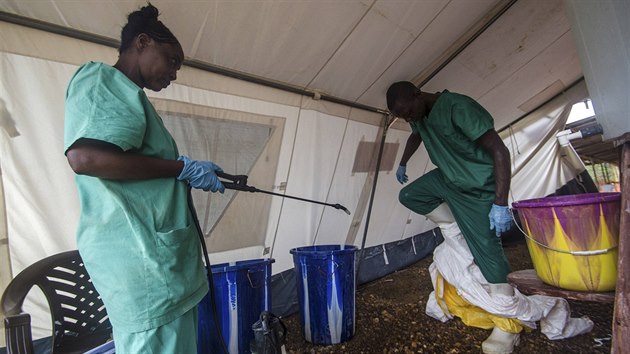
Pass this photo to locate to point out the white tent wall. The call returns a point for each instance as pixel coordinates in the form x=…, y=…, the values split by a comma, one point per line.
x=315, y=156
x=317, y=143
x=538, y=163
x=40, y=203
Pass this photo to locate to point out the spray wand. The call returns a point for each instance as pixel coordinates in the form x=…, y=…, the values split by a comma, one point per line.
x=239, y=183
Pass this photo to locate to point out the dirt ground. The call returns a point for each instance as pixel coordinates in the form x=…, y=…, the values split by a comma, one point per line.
x=390, y=318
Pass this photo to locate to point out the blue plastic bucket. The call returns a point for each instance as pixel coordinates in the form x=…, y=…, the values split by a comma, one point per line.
x=241, y=293
x=326, y=292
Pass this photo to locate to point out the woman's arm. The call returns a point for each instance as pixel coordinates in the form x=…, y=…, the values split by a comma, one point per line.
x=97, y=158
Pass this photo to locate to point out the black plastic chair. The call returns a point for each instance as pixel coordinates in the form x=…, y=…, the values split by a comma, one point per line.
x=79, y=317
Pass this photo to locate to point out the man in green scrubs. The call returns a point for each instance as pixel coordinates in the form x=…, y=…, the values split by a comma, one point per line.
x=473, y=168
x=136, y=232
x=472, y=175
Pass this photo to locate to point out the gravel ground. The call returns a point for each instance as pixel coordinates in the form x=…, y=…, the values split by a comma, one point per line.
x=390, y=318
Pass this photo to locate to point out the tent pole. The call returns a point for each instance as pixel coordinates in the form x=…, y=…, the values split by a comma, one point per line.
x=372, y=194
x=451, y=53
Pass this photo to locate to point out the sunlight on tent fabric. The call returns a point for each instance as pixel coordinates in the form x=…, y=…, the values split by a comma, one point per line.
x=580, y=111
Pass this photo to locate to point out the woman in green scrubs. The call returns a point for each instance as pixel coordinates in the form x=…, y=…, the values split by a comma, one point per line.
x=136, y=233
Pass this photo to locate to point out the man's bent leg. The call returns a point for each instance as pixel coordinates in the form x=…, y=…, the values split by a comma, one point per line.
x=424, y=194
x=471, y=214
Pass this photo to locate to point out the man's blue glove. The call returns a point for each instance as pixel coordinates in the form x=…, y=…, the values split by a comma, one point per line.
x=201, y=175
x=401, y=174
x=500, y=219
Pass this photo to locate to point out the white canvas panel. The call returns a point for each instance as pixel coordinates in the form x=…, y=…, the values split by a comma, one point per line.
x=537, y=167
x=42, y=206
x=349, y=189
x=315, y=154
x=539, y=182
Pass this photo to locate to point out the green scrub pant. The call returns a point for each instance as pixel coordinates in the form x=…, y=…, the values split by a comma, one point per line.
x=177, y=336
x=470, y=210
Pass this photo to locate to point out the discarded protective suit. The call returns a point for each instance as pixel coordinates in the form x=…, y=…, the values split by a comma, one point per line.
x=453, y=267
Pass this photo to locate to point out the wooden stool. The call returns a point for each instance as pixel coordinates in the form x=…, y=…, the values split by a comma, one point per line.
x=528, y=283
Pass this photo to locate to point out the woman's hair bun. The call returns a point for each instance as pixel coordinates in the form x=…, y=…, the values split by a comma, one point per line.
x=149, y=12
x=146, y=14
x=145, y=20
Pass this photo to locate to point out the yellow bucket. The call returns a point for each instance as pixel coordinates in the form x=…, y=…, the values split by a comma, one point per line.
x=573, y=239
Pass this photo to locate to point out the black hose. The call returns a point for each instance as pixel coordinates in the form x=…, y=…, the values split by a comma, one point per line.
x=215, y=314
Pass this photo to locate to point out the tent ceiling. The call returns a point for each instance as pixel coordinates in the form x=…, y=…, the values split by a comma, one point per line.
x=353, y=49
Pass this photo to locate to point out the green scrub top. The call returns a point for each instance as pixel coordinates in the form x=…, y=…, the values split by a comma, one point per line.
x=464, y=178
x=137, y=238
x=449, y=134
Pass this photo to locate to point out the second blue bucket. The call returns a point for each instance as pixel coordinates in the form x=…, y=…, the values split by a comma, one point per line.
x=241, y=292
x=326, y=292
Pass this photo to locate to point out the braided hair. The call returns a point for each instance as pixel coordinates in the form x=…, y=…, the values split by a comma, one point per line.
x=145, y=21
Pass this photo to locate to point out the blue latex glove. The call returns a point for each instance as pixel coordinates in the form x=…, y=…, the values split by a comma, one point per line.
x=201, y=175
x=500, y=219
x=401, y=174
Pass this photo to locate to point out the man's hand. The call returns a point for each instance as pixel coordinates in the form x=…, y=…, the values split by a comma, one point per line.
x=500, y=219
x=401, y=174
x=201, y=174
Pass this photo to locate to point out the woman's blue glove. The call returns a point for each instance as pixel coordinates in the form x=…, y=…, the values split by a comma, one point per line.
x=401, y=174
x=500, y=219
x=201, y=175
